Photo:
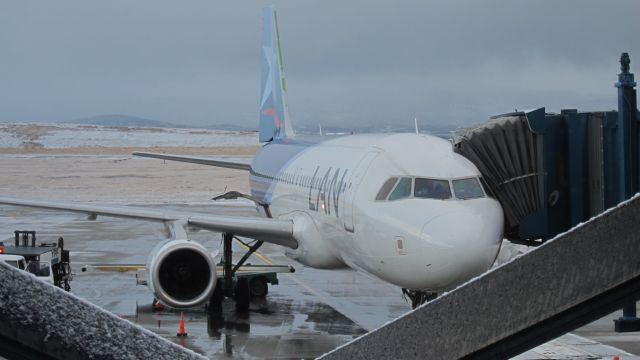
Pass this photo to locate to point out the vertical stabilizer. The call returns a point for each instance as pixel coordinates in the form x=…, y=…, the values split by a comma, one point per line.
x=274, y=114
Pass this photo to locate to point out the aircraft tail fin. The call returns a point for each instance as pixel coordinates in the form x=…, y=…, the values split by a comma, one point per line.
x=274, y=114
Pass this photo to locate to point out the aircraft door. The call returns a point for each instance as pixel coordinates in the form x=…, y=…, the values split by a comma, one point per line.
x=352, y=187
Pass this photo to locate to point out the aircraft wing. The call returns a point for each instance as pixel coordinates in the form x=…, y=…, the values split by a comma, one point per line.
x=226, y=162
x=274, y=231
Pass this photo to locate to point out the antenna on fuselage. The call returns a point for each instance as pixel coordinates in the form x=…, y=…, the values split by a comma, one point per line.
x=415, y=121
x=320, y=128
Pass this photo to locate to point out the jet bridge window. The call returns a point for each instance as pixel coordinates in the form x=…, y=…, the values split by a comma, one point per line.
x=432, y=189
x=402, y=190
x=468, y=188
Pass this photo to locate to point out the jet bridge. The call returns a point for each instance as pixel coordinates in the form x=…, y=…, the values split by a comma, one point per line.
x=551, y=172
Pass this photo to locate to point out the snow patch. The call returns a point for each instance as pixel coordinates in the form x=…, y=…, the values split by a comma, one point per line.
x=55, y=136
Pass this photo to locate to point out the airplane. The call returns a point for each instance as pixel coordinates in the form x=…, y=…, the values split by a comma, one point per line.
x=403, y=208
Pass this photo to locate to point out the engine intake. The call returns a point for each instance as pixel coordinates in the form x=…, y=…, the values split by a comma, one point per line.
x=182, y=273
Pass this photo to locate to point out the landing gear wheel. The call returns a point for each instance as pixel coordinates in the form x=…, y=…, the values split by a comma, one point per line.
x=418, y=297
x=259, y=287
x=243, y=295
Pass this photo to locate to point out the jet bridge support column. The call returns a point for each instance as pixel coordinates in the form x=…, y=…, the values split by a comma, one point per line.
x=629, y=164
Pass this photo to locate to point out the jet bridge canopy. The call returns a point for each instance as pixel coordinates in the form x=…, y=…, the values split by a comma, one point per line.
x=508, y=154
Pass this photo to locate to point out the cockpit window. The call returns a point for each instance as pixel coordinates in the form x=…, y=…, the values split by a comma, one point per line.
x=432, y=189
x=402, y=190
x=386, y=188
x=468, y=188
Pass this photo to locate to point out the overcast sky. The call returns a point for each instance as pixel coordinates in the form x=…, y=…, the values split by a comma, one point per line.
x=346, y=62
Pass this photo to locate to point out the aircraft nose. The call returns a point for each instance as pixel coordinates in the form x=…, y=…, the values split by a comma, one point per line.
x=466, y=240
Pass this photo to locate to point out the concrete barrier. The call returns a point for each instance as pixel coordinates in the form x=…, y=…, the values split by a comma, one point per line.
x=39, y=320
x=569, y=281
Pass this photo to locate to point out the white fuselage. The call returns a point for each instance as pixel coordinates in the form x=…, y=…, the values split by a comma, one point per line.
x=330, y=189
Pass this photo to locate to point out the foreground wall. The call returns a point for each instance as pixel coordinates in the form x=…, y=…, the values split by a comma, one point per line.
x=578, y=277
x=48, y=321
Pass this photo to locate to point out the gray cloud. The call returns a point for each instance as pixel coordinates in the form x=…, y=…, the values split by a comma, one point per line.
x=197, y=62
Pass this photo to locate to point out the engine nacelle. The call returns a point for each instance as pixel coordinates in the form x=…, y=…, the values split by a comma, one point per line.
x=181, y=273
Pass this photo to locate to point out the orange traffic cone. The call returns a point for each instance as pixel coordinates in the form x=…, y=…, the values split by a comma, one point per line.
x=181, y=331
x=616, y=357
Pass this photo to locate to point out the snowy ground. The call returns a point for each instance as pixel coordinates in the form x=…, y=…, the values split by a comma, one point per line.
x=55, y=136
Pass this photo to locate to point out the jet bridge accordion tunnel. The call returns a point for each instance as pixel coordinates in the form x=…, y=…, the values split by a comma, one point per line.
x=551, y=172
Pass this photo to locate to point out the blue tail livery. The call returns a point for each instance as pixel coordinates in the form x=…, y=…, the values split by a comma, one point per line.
x=274, y=114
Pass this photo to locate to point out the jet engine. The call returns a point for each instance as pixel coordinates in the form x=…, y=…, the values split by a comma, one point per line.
x=181, y=273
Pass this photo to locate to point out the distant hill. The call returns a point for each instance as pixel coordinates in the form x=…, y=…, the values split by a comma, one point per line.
x=122, y=120
x=442, y=130
x=229, y=127
x=126, y=120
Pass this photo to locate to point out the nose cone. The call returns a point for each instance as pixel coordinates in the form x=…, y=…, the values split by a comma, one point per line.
x=465, y=241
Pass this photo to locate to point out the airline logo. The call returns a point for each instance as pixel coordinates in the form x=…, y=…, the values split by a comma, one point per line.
x=276, y=119
x=326, y=189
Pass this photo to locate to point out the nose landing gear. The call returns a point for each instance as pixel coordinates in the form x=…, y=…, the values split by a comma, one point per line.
x=418, y=297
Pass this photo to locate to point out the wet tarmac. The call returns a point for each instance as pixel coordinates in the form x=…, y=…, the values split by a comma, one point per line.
x=309, y=313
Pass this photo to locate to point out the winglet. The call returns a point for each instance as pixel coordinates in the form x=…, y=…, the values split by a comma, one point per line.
x=274, y=113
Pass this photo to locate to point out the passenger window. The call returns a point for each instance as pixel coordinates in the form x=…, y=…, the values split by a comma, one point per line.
x=386, y=188
x=467, y=188
x=402, y=190
x=432, y=189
